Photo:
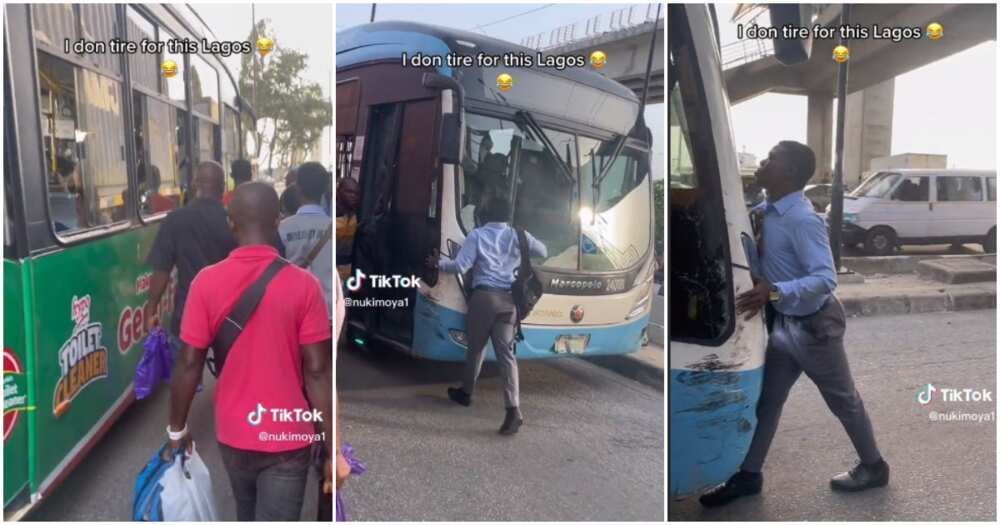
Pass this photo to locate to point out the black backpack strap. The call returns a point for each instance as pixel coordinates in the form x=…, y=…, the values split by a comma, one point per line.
x=233, y=324
x=522, y=241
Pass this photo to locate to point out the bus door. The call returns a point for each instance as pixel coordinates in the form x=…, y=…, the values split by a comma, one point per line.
x=399, y=221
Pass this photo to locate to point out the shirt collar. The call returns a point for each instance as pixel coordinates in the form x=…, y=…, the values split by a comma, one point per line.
x=310, y=209
x=254, y=251
x=787, y=202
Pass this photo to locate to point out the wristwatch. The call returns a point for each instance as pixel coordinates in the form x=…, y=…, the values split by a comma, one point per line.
x=774, y=294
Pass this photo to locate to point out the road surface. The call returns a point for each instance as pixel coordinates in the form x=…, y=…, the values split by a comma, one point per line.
x=940, y=471
x=100, y=488
x=591, y=447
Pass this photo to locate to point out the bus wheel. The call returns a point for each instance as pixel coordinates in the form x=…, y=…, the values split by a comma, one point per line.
x=990, y=242
x=880, y=240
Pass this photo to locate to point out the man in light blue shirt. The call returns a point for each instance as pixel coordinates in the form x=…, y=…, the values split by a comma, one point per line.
x=492, y=253
x=806, y=324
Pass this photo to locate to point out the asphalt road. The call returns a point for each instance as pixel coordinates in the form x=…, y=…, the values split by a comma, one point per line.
x=100, y=488
x=940, y=471
x=591, y=447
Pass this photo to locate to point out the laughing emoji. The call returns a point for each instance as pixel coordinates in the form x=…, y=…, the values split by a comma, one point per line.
x=505, y=82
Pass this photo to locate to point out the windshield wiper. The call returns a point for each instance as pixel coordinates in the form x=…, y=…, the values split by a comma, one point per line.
x=528, y=121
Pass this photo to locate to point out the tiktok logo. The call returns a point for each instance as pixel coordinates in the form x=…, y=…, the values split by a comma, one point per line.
x=255, y=416
x=354, y=281
x=926, y=394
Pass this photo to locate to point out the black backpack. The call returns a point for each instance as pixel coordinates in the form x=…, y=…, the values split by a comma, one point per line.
x=527, y=287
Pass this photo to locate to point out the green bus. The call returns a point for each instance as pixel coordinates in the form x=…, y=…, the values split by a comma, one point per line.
x=98, y=147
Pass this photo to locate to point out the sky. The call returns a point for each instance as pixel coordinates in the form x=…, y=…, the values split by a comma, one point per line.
x=488, y=19
x=303, y=27
x=946, y=107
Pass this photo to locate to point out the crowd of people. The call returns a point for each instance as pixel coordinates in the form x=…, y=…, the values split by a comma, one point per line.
x=246, y=254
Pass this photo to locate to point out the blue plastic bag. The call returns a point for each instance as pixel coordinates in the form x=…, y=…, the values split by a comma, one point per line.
x=357, y=467
x=155, y=364
x=146, y=504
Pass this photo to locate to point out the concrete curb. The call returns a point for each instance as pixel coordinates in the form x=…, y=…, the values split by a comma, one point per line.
x=897, y=264
x=921, y=301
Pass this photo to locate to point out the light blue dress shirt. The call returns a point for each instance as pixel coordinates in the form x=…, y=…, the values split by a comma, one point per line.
x=795, y=256
x=493, y=253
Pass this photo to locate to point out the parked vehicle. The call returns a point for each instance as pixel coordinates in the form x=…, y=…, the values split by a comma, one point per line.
x=819, y=195
x=922, y=206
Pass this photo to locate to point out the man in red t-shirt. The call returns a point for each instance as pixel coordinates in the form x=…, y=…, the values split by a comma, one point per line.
x=277, y=380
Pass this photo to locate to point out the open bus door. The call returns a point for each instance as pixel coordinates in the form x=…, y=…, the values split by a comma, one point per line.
x=399, y=213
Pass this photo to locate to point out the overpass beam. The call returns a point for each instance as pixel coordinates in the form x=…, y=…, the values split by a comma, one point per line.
x=819, y=133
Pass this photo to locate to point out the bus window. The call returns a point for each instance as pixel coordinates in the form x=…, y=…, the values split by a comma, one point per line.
x=230, y=139
x=615, y=226
x=158, y=153
x=53, y=24
x=345, y=154
x=144, y=68
x=544, y=200
x=83, y=138
x=184, y=166
x=204, y=140
x=175, y=84
x=98, y=24
x=700, y=283
x=249, y=129
x=204, y=88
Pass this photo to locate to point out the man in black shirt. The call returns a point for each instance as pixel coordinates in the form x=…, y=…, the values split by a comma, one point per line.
x=190, y=238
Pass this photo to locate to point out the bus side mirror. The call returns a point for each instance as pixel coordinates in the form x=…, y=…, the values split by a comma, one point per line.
x=792, y=51
x=449, y=148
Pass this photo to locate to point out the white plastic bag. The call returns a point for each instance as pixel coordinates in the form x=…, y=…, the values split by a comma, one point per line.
x=187, y=491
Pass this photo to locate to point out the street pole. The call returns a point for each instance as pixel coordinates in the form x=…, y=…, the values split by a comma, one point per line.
x=837, y=199
x=372, y=19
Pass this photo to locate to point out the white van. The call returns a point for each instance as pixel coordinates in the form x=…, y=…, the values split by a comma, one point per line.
x=922, y=206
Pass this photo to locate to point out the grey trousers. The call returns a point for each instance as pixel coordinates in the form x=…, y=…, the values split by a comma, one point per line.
x=491, y=315
x=815, y=345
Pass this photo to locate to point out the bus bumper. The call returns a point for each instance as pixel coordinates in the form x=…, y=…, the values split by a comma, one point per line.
x=439, y=334
x=712, y=420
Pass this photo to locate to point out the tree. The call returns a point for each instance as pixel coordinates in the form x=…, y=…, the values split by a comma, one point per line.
x=296, y=108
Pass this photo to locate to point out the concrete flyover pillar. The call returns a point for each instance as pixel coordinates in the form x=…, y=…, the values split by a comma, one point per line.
x=819, y=134
x=868, y=131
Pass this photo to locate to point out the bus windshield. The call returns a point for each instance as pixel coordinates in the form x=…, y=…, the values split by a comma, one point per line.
x=611, y=232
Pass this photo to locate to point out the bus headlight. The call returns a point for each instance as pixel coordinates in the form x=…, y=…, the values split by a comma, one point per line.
x=458, y=337
x=640, y=306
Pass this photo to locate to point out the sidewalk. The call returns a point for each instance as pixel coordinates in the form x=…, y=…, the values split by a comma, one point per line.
x=907, y=293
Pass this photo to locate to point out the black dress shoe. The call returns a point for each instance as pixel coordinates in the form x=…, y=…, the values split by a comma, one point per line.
x=459, y=396
x=862, y=477
x=512, y=422
x=739, y=485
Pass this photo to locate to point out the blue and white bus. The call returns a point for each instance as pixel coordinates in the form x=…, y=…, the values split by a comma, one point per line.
x=428, y=144
x=716, y=357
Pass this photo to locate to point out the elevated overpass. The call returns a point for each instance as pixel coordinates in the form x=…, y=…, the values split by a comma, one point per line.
x=750, y=70
x=623, y=35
